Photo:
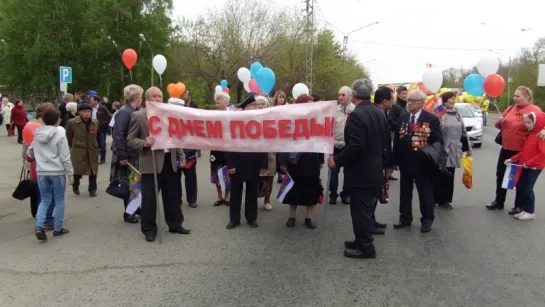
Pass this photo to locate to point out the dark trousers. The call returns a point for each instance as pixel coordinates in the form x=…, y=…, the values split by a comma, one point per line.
x=169, y=186
x=101, y=139
x=19, y=133
x=92, y=182
x=525, y=196
x=235, y=199
x=500, y=171
x=444, y=188
x=190, y=182
x=334, y=182
x=362, y=204
x=424, y=186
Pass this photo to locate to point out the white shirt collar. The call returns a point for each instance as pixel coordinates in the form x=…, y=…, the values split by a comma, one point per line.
x=416, y=116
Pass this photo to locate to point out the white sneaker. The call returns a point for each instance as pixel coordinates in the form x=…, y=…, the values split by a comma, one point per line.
x=516, y=215
x=525, y=216
x=268, y=207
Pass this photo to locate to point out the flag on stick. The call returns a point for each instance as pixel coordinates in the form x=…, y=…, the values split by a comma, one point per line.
x=223, y=178
x=286, y=186
x=511, y=176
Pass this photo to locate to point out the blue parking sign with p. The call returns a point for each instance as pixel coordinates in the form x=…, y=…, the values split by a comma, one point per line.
x=65, y=74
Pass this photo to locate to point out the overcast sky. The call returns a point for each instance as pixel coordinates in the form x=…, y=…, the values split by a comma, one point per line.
x=413, y=33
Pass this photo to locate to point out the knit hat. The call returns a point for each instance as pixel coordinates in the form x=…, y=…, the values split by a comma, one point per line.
x=84, y=106
x=93, y=93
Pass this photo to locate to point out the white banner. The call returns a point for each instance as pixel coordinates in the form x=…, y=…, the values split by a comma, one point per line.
x=307, y=127
x=541, y=75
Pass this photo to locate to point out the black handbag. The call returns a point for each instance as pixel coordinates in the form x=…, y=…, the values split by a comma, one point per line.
x=26, y=187
x=120, y=187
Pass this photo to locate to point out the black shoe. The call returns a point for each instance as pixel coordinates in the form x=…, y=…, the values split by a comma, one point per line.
x=350, y=244
x=425, y=228
x=362, y=254
x=131, y=219
x=253, y=224
x=218, y=203
x=515, y=210
x=378, y=231
x=379, y=225
x=291, y=222
x=61, y=232
x=193, y=205
x=40, y=234
x=400, y=225
x=226, y=202
x=232, y=225
x=333, y=201
x=392, y=178
x=494, y=206
x=180, y=230
x=150, y=238
x=345, y=200
x=310, y=223
x=93, y=193
x=75, y=190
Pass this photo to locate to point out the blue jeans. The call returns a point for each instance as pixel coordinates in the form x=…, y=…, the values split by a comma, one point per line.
x=524, y=195
x=49, y=219
x=52, y=189
x=101, y=139
x=485, y=115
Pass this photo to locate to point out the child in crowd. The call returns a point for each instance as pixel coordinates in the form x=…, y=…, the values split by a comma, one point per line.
x=532, y=159
x=52, y=155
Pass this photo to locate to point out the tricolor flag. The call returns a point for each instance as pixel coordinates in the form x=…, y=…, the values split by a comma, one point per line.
x=135, y=200
x=189, y=162
x=439, y=108
x=511, y=176
x=223, y=178
x=286, y=186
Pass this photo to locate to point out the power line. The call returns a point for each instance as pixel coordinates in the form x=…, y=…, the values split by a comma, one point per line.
x=319, y=9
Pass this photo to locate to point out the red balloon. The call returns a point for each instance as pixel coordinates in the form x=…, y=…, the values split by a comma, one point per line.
x=129, y=58
x=254, y=87
x=226, y=90
x=28, y=132
x=494, y=85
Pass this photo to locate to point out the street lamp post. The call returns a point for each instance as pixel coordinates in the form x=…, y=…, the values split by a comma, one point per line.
x=143, y=38
x=345, y=37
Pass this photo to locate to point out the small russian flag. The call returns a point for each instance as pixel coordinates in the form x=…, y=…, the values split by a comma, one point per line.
x=286, y=186
x=511, y=176
x=223, y=178
x=190, y=162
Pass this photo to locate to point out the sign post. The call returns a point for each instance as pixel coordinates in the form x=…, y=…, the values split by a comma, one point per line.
x=65, y=77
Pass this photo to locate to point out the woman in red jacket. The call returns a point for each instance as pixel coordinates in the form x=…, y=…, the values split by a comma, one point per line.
x=532, y=158
x=19, y=119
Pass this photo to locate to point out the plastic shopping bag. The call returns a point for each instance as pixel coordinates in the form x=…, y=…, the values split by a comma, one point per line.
x=467, y=177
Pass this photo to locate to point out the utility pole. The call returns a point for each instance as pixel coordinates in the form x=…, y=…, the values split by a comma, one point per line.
x=309, y=29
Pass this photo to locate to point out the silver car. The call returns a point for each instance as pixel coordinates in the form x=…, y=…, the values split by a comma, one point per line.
x=473, y=123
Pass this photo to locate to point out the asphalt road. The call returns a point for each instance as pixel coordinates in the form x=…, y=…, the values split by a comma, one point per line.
x=471, y=257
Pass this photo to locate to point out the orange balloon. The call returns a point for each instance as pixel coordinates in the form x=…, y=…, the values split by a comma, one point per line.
x=181, y=88
x=171, y=88
x=28, y=132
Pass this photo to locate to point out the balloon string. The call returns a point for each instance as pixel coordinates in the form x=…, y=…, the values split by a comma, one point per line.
x=130, y=74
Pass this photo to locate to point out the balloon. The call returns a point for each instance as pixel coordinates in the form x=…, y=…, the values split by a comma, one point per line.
x=28, y=131
x=244, y=75
x=171, y=89
x=226, y=90
x=218, y=89
x=254, y=68
x=129, y=58
x=265, y=79
x=473, y=84
x=254, y=88
x=432, y=79
x=488, y=66
x=159, y=63
x=181, y=89
x=299, y=89
x=494, y=85
x=247, y=87
x=224, y=84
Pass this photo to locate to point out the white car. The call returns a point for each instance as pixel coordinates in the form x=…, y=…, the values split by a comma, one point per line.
x=473, y=123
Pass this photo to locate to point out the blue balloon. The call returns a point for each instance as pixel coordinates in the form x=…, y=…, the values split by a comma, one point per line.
x=265, y=80
x=254, y=68
x=474, y=85
x=223, y=84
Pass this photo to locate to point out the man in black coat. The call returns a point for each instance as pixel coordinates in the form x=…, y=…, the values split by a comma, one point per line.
x=417, y=128
x=398, y=109
x=366, y=136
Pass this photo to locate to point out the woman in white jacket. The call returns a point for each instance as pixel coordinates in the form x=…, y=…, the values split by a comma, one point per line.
x=6, y=112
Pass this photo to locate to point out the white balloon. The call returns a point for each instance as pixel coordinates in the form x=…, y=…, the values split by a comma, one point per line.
x=159, y=64
x=432, y=79
x=244, y=75
x=488, y=66
x=247, y=87
x=218, y=89
x=299, y=89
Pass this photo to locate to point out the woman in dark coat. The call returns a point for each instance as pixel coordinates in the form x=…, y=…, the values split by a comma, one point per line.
x=304, y=169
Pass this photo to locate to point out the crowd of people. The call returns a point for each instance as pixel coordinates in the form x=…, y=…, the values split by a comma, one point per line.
x=373, y=139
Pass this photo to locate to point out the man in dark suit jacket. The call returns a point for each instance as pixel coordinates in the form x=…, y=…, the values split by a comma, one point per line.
x=398, y=109
x=417, y=128
x=365, y=135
